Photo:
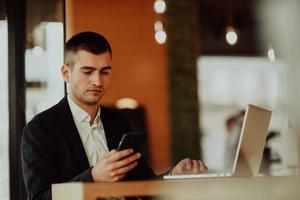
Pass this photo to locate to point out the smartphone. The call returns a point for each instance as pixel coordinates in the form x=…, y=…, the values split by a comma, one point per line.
x=132, y=140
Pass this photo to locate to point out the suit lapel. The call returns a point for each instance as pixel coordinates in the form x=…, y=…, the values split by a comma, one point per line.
x=72, y=135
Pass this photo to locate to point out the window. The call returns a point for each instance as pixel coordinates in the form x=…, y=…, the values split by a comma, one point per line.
x=44, y=55
x=226, y=86
x=4, y=175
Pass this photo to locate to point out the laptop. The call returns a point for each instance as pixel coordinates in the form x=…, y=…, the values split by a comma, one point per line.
x=251, y=144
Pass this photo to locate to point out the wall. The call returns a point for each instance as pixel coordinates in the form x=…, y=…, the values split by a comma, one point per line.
x=139, y=63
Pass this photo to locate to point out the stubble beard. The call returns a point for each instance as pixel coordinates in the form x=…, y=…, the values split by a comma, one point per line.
x=91, y=101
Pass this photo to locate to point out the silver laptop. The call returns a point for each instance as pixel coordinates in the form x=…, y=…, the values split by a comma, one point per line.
x=251, y=144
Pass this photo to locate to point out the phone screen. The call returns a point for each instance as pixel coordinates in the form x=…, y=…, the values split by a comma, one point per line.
x=132, y=140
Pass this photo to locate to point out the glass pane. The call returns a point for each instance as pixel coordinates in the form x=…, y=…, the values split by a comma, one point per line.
x=4, y=179
x=259, y=69
x=44, y=55
x=226, y=86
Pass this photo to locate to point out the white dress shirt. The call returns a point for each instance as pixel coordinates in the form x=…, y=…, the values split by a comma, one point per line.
x=92, y=136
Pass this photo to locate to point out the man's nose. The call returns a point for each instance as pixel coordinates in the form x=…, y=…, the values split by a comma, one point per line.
x=96, y=80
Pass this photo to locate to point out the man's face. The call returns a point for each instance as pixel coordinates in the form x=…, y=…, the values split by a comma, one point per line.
x=88, y=78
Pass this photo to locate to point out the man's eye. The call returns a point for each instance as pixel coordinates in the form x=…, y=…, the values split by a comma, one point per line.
x=105, y=72
x=87, y=72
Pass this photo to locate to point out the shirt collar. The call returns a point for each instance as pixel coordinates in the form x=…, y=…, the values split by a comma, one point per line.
x=81, y=115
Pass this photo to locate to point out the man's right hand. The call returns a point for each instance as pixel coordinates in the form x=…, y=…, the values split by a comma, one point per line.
x=114, y=165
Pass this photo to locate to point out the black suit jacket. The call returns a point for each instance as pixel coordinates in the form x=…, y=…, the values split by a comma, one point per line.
x=52, y=151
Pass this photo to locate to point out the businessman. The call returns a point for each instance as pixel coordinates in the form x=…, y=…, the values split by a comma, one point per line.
x=75, y=140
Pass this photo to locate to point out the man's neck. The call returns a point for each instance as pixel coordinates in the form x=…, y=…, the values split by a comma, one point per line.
x=92, y=110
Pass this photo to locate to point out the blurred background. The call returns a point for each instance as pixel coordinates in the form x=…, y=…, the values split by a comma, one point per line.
x=183, y=73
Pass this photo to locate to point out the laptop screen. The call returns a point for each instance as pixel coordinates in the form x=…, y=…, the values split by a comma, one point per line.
x=253, y=137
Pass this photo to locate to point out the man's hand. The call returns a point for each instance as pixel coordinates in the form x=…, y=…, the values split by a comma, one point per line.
x=114, y=166
x=188, y=166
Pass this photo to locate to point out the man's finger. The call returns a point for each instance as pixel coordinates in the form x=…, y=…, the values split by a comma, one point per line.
x=188, y=164
x=124, y=170
x=110, y=153
x=118, y=155
x=117, y=178
x=196, y=166
x=203, y=166
x=126, y=161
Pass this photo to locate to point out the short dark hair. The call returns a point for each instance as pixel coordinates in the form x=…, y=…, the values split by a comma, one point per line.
x=92, y=42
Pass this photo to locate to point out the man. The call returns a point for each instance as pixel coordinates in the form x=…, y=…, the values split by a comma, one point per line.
x=234, y=126
x=75, y=139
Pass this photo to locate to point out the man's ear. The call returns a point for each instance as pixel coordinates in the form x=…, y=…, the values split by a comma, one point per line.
x=65, y=72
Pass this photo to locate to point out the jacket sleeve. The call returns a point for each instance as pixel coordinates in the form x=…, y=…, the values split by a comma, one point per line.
x=40, y=162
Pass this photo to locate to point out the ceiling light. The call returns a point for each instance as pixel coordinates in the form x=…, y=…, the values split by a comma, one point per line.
x=128, y=103
x=160, y=6
x=158, y=26
x=160, y=37
x=231, y=35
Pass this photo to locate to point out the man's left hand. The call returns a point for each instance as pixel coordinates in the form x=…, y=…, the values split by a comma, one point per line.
x=188, y=166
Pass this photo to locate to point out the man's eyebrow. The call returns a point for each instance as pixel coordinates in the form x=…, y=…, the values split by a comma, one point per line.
x=106, y=68
x=94, y=68
x=87, y=68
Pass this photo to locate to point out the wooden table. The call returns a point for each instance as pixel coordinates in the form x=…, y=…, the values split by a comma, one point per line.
x=270, y=188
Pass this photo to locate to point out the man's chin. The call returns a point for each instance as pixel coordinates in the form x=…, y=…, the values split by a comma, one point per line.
x=92, y=101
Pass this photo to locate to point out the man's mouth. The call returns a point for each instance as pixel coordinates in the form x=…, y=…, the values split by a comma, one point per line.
x=97, y=91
